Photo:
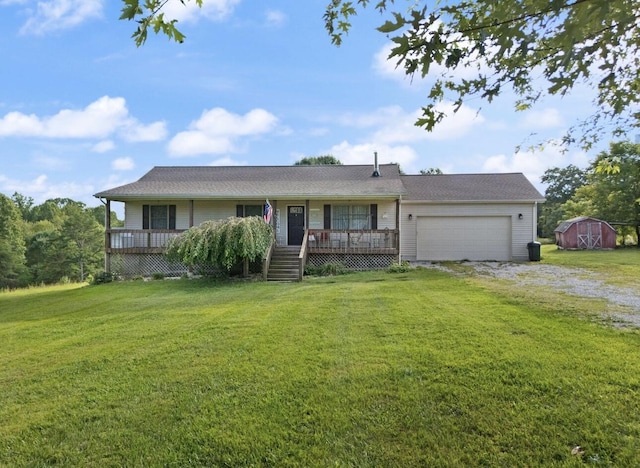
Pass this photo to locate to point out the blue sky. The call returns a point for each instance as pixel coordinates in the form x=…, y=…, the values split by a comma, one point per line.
x=255, y=83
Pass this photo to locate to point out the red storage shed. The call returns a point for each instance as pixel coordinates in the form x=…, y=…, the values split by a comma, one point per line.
x=583, y=233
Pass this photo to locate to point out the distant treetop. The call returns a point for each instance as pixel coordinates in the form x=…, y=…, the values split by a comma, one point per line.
x=318, y=160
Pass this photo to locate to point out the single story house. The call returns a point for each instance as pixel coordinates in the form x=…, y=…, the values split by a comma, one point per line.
x=585, y=233
x=367, y=216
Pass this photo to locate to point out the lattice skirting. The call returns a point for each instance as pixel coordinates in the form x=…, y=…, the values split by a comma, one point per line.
x=354, y=262
x=130, y=265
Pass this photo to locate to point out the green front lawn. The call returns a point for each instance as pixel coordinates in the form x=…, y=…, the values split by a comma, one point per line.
x=369, y=369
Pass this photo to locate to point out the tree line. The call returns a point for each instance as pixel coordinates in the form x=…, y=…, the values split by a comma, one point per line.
x=608, y=189
x=60, y=240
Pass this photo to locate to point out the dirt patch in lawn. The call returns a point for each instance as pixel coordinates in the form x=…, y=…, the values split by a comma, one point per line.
x=572, y=281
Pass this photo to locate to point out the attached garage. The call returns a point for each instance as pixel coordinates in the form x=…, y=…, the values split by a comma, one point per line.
x=441, y=238
x=468, y=217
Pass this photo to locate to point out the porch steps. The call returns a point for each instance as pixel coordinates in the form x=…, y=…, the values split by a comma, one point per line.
x=284, y=264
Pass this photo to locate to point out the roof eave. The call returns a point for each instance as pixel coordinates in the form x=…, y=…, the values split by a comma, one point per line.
x=439, y=202
x=149, y=196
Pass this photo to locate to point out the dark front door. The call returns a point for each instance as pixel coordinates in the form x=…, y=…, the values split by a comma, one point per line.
x=295, y=224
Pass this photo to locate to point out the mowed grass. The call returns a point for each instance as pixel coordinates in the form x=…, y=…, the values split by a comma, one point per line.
x=619, y=267
x=370, y=369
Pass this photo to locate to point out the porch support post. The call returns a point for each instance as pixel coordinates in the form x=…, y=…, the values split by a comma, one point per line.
x=107, y=236
x=397, y=246
x=306, y=215
x=190, y=213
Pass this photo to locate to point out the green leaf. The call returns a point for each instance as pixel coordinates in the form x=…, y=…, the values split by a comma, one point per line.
x=130, y=10
x=390, y=26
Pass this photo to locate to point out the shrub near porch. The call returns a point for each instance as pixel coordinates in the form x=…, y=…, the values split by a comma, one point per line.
x=369, y=369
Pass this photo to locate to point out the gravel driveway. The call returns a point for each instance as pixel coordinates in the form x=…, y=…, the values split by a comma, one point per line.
x=573, y=281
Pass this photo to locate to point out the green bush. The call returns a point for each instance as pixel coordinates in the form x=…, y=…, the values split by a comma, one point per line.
x=103, y=277
x=64, y=280
x=401, y=267
x=157, y=276
x=327, y=269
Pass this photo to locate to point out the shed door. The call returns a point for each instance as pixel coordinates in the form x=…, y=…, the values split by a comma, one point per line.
x=441, y=238
x=589, y=235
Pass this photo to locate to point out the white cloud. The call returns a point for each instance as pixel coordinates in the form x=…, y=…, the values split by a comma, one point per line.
x=217, y=131
x=275, y=18
x=542, y=119
x=135, y=132
x=402, y=129
x=386, y=67
x=349, y=153
x=214, y=10
x=103, y=146
x=100, y=119
x=533, y=163
x=56, y=15
x=123, y=164
x=227, y=161
x=394, y=125
x=41, y=189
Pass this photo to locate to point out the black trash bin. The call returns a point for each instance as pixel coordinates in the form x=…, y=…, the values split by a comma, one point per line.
x=534, y=251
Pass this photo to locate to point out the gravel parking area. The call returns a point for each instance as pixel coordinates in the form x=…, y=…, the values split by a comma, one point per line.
x=573, y=281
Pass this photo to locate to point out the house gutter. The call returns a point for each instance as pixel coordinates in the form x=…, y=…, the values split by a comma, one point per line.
x=534, y=224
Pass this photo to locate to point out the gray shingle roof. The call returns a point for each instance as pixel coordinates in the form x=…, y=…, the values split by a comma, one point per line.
x=261, y=181
x=470, y=187
x=327, y=181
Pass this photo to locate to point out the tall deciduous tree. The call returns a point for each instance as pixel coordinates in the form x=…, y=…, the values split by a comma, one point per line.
x=615, y=195
x=318, y=160
x=12, y=248
x=563, y=183
x=431, y=171
x=485, y=48
x=81, y=240
x=64, y=240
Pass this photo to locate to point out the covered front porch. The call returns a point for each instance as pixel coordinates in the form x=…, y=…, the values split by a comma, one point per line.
x=140, y=251
x=369, y=241
x=318, y=241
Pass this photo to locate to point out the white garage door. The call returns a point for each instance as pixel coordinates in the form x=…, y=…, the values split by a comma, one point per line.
x=464, y=238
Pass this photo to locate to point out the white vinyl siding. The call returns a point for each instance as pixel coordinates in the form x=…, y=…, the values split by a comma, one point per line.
x=210, y=210
x=133, y=213
x=522, y=231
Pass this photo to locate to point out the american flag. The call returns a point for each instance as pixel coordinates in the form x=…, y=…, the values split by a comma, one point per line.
x=268, y=211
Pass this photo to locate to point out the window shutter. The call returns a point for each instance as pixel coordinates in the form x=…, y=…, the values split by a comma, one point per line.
x=145, y=216
x=239, y=211
x=327, y=216
x=374, y=215
x=172, y=216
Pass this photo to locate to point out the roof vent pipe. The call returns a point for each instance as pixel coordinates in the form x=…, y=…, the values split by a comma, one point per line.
x=376, y=169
